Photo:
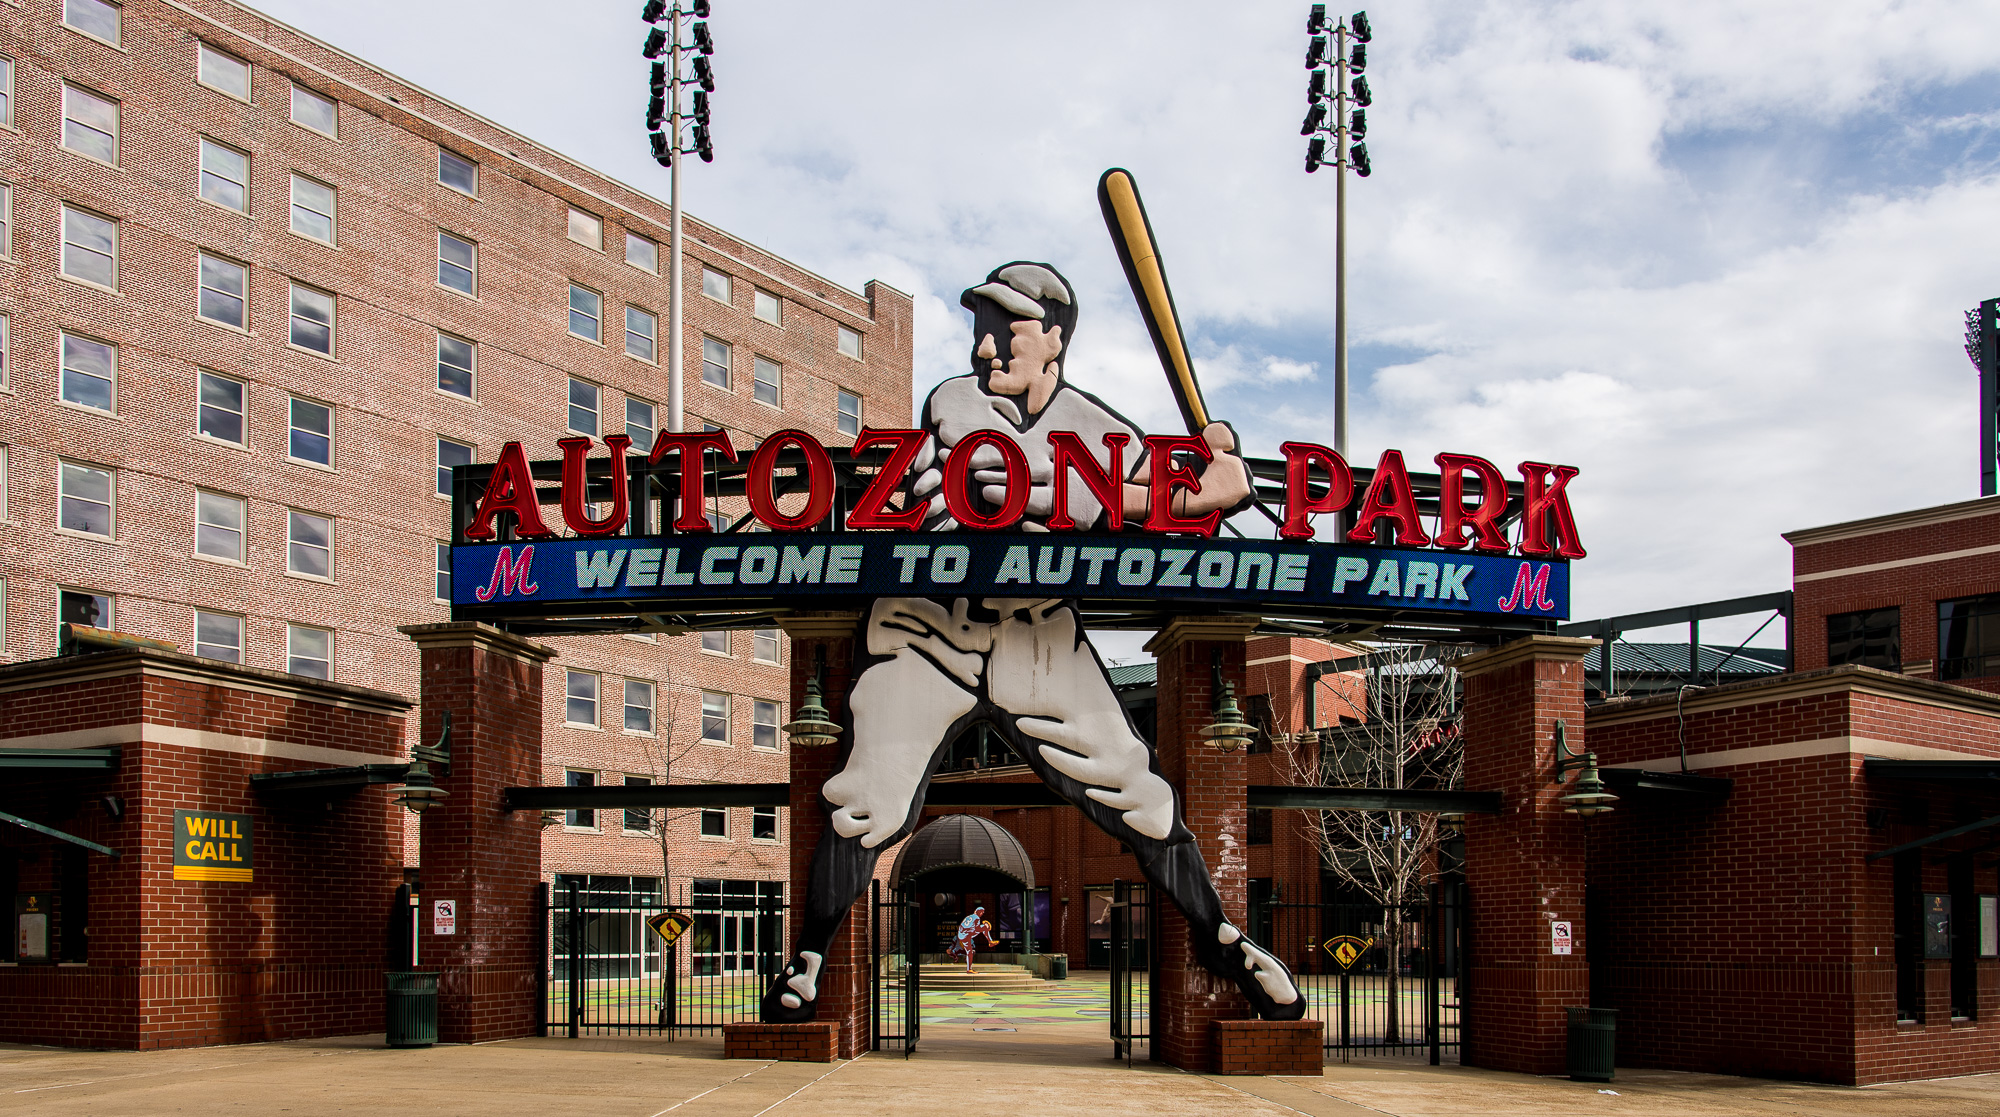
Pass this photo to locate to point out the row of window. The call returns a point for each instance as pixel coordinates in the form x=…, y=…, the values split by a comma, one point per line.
x=308, y=649
x=581, y=690
x=715, y=821
x=1968, y=635
x=87, y=504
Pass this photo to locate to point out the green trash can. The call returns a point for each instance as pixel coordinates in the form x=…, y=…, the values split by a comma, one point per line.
x=411, y=1015
x=1593, y=1043
x=1058, y=967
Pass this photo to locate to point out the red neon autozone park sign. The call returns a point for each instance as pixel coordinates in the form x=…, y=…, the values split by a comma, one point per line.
x=599, y=533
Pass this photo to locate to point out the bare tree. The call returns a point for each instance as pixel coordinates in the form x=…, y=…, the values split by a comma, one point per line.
x=1402, y=732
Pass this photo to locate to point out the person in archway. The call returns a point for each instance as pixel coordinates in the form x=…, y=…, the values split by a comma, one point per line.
x=966, y=943
x=931, y=669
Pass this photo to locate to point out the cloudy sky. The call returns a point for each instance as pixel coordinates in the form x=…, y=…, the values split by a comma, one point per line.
x=1714, y=253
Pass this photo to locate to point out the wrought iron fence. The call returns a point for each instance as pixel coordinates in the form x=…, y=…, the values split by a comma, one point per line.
x=1133, y=932
x=607, y=972
x=1384, y=979
x=897, y=990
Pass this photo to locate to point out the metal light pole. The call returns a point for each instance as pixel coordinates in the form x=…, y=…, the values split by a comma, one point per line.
x=1342, y=127
x=667, y=150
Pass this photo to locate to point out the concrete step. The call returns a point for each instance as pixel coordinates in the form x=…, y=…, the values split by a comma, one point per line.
x=982, y=979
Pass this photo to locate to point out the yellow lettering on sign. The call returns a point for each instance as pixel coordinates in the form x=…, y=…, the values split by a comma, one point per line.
x=192, y=852
x=208, y=851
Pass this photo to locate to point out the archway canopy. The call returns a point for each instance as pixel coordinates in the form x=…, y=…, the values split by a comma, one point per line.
x=962, y=842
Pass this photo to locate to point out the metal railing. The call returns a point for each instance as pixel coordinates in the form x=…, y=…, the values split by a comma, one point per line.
x=1384, y=979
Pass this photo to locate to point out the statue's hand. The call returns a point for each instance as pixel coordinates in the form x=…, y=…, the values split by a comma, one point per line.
x=1225, y=481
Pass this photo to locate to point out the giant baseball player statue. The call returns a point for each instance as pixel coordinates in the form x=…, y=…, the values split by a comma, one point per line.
x=929, y=669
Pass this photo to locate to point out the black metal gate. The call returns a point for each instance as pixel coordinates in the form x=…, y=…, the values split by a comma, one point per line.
x=897, y=989
x=1133, y=933
x=607, y=972
x=1385, y=979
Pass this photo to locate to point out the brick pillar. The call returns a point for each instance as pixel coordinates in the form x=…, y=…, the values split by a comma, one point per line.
x=844, y=977
x=1210, y=787
x=487, y=859
x=1069, y=908
x=1524, y=867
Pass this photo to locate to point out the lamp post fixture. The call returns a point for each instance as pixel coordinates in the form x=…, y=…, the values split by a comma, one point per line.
x=664, y=107
x=1346, y=84
x=814, y=727
x=1589, y=798
x=419, y=792
x=1228, y=732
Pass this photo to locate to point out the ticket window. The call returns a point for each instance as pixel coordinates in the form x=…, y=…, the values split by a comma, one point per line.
x=34, y=926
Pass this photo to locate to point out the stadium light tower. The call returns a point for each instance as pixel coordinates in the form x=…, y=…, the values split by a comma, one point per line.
x=1338, y=79
x=664, y=108
x=1982, y=345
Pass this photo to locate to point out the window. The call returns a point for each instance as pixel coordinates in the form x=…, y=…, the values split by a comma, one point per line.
x=638, y=707
x=1872, y=638
x=767, y=374
x=90, y=248
x=586, y=229
x=714, y=717
x=583, y=397
x=312, y=319
x=225, y=176
x=309, y=651
x=715, y=642
x=311, y=432
x=314, y=111
x=848, y=406
x=641, y=329
x=225, y=286
x=218, y=526
x=450, y=454
x=87, y=497
x=94, y=18
x=310, y=545
x=85, y=608
x=458, y=262
x=714, y=822
x=460, y=174
x=218, y=636
x=584, y=818
x=1258, y=831
x=444, y=571
x=640, y=423
x=219, y=407
x=90, y=124
x=7, y=91
x=715, y=284
x=6, y=220
x=89, y=372
x=638, y=820
x=586, y=312
x=225, y=72
x=764, y=645
x=455, y=365
x=312, y=209
x=768, y=307
x=3, y=515
x=6, y=350
x=849, y=341
x=642, y=253
x=714, y=362
x=763, y=724
x=1969, y=637
x=763, y=824
x=580, y=707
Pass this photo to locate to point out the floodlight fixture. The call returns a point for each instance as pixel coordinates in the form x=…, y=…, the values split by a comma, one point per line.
x=663, y=153
x=656, y=111
x=1315, y=51
x=1362, y=32
x=1316, y=19
x=1358, y=155
x=654, y=11
x=658, y=79
x=700, y=9
x=1315, y=154
x=703, y=42
x=702, y=145
x=704, y=74
x=1357, y=59
x=701, y=108
x=1316, y=87
x=1315, y=120
x=1357, y=124
x=1361, y=95
x=656, y=43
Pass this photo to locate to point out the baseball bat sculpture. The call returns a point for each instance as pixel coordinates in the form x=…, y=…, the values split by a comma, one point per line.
x=1125, y=217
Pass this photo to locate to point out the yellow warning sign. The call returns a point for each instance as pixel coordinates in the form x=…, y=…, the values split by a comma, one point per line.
x=1347, y=949
x=669, y=925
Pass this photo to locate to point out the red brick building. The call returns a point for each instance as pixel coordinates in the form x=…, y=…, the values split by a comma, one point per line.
x=257, y=295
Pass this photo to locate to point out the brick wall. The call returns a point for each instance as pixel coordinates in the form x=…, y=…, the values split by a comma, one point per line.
x=296, y=952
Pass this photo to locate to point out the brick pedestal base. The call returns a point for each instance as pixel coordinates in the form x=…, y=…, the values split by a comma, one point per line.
x=813, y=1042
x=1269, y=1047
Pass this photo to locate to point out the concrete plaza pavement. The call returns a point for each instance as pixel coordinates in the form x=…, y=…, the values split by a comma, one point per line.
x=1037, y=1069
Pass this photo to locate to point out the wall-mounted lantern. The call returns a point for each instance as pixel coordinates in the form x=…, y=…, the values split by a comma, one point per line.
x=1589, y=796
x=814, y=727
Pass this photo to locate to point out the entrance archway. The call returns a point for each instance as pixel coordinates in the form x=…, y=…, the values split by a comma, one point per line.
x=950, y=865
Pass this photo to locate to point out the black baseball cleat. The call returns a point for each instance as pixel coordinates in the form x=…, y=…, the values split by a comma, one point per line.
x=794, y=997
